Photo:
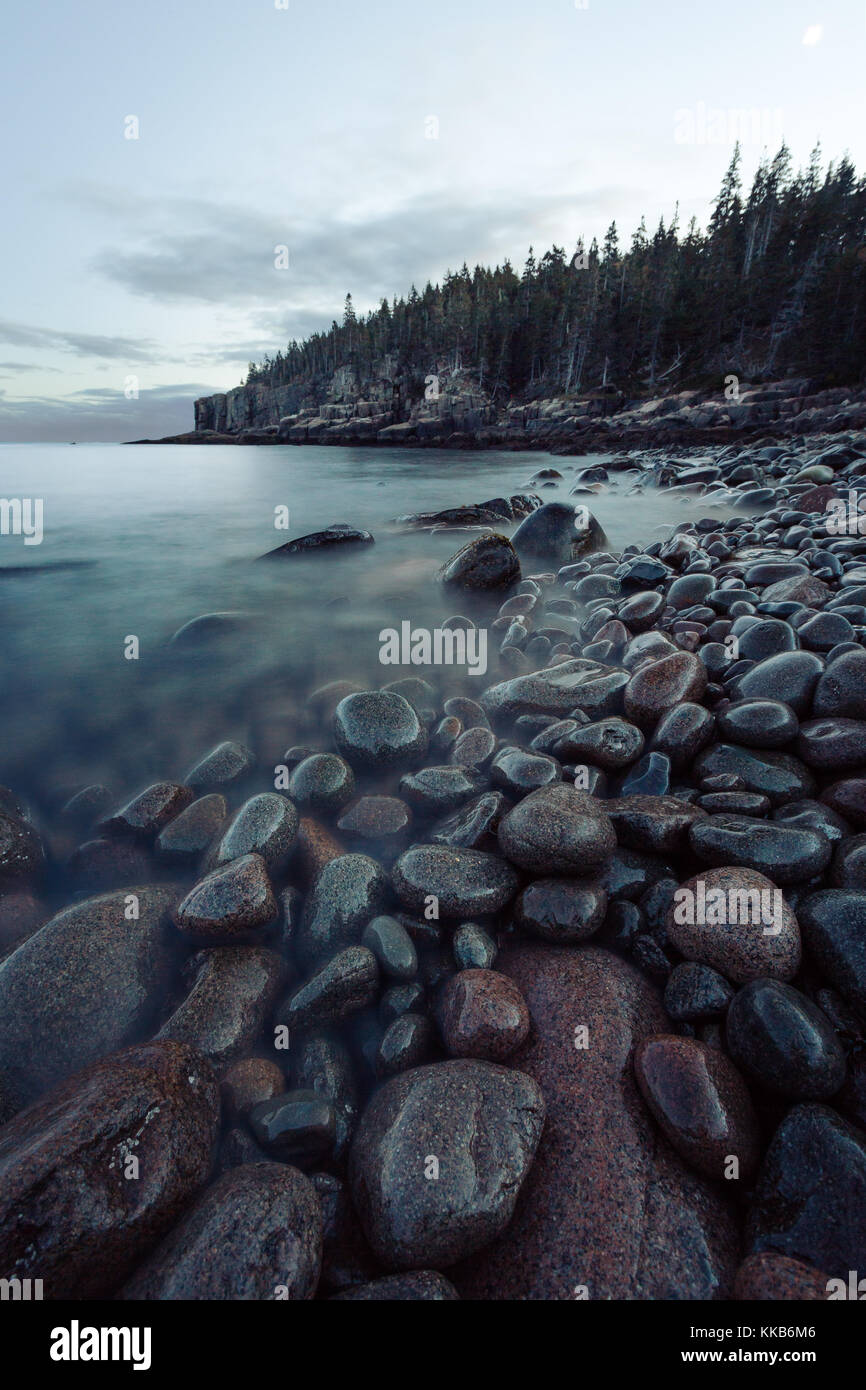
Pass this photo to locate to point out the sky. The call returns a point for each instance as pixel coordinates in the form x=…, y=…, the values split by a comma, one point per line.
x=192, y=183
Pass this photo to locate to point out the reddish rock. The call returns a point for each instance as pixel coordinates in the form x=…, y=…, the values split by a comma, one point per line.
x=248, y=1082
x=228, y=902
x=657, y=688
x=740, y=950
x=768, y=1277
x=482, y=1013
x=146, y=814
x=256, y=1233
x=700, y=1101
x=314, y=847
x=71, y=1211
x=608, y=1205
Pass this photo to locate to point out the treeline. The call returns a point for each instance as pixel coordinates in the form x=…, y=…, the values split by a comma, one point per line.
x=775, y=285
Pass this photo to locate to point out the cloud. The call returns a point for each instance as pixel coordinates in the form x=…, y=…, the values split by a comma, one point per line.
x=224, y=255
x=100, y=414
x=813, y=35
x=81, y=344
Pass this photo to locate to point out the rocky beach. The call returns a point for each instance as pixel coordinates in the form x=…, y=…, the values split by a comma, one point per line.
x=542, y=981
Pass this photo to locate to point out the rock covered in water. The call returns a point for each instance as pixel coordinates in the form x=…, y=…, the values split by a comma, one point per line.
x=486, y=562
x=70, y=1212
x=88, y=982
x=479, y=1124
x=606, y=1199
x=256, y=1233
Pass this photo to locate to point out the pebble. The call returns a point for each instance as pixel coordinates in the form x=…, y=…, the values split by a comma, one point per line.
x=560, y=909
x=480, y=1124
x=740, y=950
x=473, y=947
x=700, y=1102
x=346, y=983
x=379, y=729
x=393, y=948
x=266, y=826
x=348, y=892
x=482, y=1014
x=463, y=882
x=322, y=783
x=557, y=830
x=784, y=1041
x=229, y=902
x=224, y=765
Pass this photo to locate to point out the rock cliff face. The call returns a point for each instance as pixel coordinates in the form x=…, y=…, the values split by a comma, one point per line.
x=396, y=407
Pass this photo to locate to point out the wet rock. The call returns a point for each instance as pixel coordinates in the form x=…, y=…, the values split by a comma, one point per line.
x=790, y=677
x=658, y=824
x=561, y=910
x=266, y=826
x=249, y=1081
x=232, y=995
x=208, y=628
x=474, y=748
x=407, y=1042
x=559, y=532
x=69, y=1214
x=848, y=799
x=486, y=562
x=100, y=865
x=339, y=534
x=314, y=847
x=146, y=814
x=297, y=1126
x=557, y=830
x=86, y=984
x=474, y=825
x=229, y=902
x=607, y=743
x=606, y=1196
x=657, y=688
x=465, y=882
x=21, y=914
x=421, y=1285
x=189, y=834
x=256, y=1233
x=833, y=745
x=769, y=1277
x=393, y=948
x=557, y=691
x=695, y=993
x=480, y=1122
x=227, y=763
x=378, y=729
x=517, y=772
x=700, y=1102
x=473, y=947
x=736, y=921
x=758, y=723
x=482, y=1014
x=322, y=1063
x=761, y=640
x=347, y=1260
x=682, y=733
x=786, y=854
x=435, y=790
x=834, y=930
x=21, y=850
x=848, y=869
x=322, y=783
x=382, y=820
x=800, y=588
x=841, y=689
x=347, y=983
x=784, y=1042
x=810, y=1199
x=775, y=775
x=349, y=891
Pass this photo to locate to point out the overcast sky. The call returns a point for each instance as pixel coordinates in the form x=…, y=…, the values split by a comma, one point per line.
x=382, y=143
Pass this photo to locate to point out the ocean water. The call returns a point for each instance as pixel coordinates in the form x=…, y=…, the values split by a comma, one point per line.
x=138, y=540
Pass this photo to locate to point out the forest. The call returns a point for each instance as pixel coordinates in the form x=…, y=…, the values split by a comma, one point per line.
x=774, y=286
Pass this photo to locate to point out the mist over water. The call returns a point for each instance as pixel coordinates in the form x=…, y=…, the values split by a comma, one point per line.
x=140, y=540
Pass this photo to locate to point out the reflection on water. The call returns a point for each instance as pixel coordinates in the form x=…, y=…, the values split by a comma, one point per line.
x=139, y=540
